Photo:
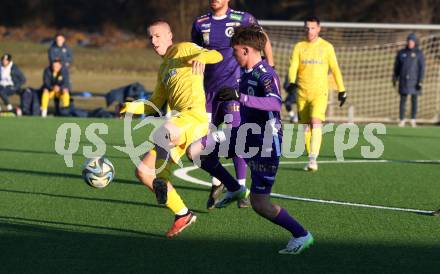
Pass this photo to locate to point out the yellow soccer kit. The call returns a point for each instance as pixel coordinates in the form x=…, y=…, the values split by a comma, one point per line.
x=309, y=68
x=184, y=92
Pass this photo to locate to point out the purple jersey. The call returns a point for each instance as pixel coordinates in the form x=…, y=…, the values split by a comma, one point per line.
x=260, y=95
x=213, y=32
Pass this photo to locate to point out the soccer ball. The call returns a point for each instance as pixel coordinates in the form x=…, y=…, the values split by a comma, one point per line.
x=98, y=172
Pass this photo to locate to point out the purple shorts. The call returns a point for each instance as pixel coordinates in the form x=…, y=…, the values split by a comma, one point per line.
x=227, y=112
x=263, y=165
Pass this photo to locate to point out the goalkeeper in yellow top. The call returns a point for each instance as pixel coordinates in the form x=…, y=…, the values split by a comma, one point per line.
x=308, y=73
x=180, y=84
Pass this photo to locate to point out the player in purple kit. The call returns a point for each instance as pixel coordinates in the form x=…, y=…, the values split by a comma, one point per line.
x=259, y=95
x=214, y=31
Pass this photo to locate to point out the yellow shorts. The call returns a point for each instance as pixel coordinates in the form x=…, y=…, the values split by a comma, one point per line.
x=311, y=108
x=191, y=126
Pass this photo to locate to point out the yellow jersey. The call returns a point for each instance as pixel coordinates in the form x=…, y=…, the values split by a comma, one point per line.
x=176, y=84
x=309, y=68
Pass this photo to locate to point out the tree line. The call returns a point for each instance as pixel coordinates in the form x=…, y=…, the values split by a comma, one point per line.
x=134, y=15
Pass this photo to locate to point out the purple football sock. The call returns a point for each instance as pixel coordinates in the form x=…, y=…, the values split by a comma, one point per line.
x=213, y=166
x=240, y=168
x=286, y=221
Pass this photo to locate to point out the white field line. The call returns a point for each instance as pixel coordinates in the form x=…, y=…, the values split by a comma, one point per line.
x=182, y=173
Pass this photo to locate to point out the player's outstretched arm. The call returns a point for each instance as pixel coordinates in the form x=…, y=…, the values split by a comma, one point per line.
x=156, y=101
x=293, y=66
x=333, y=64
x=268, y=103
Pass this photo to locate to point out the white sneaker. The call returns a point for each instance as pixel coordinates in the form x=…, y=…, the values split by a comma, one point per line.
x=44, y=113
x=413, y=123
x=312, y=165
x=297, y=245
x=401, y=123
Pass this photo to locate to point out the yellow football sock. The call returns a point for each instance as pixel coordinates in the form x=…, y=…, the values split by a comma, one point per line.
x=163, y=169
x=175, y=203
x=65, y=99
x=307, y=139
x=315, y=144
x=45, y=97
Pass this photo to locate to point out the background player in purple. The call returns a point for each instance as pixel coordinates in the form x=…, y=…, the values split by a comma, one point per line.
x=214, y=31
x=260, y=97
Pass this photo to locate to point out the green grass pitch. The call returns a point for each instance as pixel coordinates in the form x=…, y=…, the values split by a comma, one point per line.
x=52, y=222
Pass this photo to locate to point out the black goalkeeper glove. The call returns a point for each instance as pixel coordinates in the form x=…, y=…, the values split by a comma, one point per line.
x=419, y=86
x=342, y=97
x=292, y=88
x=228, y=94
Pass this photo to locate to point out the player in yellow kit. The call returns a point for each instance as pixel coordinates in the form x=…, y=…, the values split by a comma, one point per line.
x=180, y=83
x=308, y=72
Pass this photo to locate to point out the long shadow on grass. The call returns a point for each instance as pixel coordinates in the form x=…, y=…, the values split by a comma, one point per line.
x=79, y=177
x=52, y=153
x=90, y=199
x=37, y=246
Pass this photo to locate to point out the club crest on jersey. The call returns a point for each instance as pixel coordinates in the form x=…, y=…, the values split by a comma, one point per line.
x=229, y=31
x=413, y=55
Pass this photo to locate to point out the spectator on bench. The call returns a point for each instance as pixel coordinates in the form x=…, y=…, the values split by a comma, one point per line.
x=11, y=79
x=56, y=84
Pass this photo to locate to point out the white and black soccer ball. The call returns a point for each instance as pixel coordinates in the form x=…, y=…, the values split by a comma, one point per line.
x=98, y=172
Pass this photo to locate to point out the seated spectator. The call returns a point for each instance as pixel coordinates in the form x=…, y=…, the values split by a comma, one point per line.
x=56, y=84
x=11, y=79
x=59, y=50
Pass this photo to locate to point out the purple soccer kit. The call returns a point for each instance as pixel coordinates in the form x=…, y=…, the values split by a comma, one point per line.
x=213, y=32
x=260, y=105
x=260, y=108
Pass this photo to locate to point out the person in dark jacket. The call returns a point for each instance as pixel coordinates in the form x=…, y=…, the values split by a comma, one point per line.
x=59, y=50
x=56, y=83
x=11, y=79
x=409, y=69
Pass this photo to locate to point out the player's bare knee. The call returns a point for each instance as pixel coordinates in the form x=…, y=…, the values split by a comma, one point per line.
x=144, y=177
